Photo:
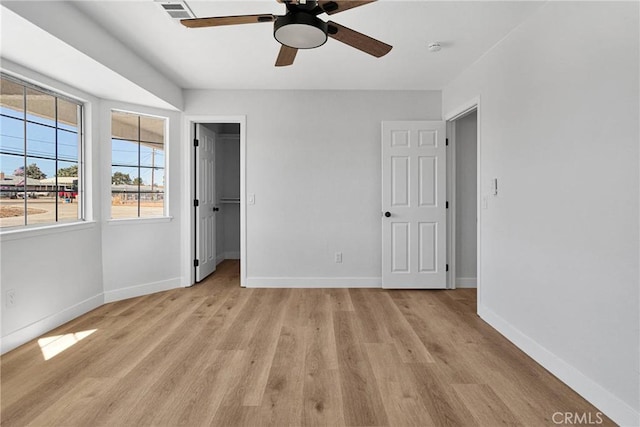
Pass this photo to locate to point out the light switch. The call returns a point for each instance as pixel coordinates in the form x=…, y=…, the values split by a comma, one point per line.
x=485, y=202
x=251, y=199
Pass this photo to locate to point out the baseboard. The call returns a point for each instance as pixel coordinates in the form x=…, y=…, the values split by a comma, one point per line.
x=612, y=406
x=314, y=282
x=140, y=290
x=466, y=282
x=219, y=258
x=42, y=326
x=227, y=255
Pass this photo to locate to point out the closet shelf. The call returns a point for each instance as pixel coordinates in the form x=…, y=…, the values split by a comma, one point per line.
x=230, y=200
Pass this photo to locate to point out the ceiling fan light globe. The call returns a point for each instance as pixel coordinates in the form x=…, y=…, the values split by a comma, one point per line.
x=300, y=31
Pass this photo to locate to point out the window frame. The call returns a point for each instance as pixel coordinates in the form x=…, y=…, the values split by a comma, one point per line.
x=165, y=143
x=81, y=135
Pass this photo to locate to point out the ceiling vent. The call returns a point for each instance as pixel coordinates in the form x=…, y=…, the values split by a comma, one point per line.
x=176, y=9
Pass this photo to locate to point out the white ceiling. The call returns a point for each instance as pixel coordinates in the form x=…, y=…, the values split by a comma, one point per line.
x=243, y=56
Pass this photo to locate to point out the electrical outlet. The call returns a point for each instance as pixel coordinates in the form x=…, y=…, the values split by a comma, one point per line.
x=11, y=298
x=338, y=257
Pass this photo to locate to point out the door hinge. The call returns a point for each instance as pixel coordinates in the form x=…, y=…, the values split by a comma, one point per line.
x=446, y=205
x=446, y=141
x=196, y=203
x=447, y=267
x=196, y=142
x=196, y=262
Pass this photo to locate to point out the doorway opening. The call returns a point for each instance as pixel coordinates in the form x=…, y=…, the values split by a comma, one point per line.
x=217, y=218
x=463, y=188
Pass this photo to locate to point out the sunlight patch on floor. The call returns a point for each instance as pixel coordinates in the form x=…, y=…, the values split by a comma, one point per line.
x=56, y=344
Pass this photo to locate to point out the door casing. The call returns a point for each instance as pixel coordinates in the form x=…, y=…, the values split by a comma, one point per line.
x=188, y=195
x=456, y=113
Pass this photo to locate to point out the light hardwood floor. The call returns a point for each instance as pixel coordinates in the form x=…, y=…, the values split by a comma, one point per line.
x=216, y=354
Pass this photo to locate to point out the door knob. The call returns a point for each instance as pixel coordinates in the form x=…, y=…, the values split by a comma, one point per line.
x=216, y=209
x=387, y=214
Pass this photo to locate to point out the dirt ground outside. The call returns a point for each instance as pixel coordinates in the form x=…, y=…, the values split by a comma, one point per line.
x=43, y=211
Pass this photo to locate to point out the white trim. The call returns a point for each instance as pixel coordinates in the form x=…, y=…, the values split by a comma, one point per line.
x=466, y=282
x=188, y=195
x=314, y=282
x=42, y=326
x=227, y=255
x=37, y=231
x=232, y=255
x=141, y=290
x=616, y=409
x=451, y=198
x=219, y=258
x=139, y=221
x=456, y=113
x=463, y=109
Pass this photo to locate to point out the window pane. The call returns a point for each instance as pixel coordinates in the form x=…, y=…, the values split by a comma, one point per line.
x=152, y=197
x=124, y=125
x=41, y=141
x=41, y=107
x=11, y=207
x=68, y=195
x=151, y=154
x=137, y=148
x=124, y=153
x=124, y=193
x=151, y=129
x=152, y=204
x=67, y=115
x=39, y=166
x=68, y=145
x=11, y=165
x=11, y=99
x=153, y=177
x=11, y=136
x=39, y=211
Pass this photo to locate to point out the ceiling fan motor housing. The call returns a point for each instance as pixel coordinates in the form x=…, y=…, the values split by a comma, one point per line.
x=300, y=30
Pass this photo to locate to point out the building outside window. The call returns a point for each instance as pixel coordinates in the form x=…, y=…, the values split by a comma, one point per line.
x=137, y=165
x=41, y=144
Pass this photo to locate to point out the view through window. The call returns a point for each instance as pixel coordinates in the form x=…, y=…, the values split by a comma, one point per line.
x=137, y=165
x=40, y=156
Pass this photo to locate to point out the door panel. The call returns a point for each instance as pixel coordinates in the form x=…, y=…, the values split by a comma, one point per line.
x=206, y=195
x=414, y=195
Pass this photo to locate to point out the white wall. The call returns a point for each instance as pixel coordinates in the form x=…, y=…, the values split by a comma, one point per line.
x=227, y=185
x=141, y=256
x=61, y=272
x=230, y=163
x=466, y=136
x=313, y=163
x=57, y=272
x=64, y=21
x=559, y=129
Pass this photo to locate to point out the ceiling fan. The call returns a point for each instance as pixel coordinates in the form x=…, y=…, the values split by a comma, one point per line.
x=300, y=27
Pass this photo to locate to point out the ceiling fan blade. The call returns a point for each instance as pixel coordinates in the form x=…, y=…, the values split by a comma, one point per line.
x=335, y=6
x=286, y=56
x=358, y=40
x=217, y=21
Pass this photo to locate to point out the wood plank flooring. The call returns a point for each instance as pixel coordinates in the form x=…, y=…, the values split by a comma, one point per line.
x=216, y=354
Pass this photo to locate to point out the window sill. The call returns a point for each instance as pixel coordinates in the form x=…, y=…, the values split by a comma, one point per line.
x=43, y=230
x=140, y=221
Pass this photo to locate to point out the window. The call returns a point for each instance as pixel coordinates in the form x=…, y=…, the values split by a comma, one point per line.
x=137, y=165
x=40, y=156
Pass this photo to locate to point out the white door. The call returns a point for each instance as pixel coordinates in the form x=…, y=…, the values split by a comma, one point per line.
x=414, y=205
x=206, y=203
